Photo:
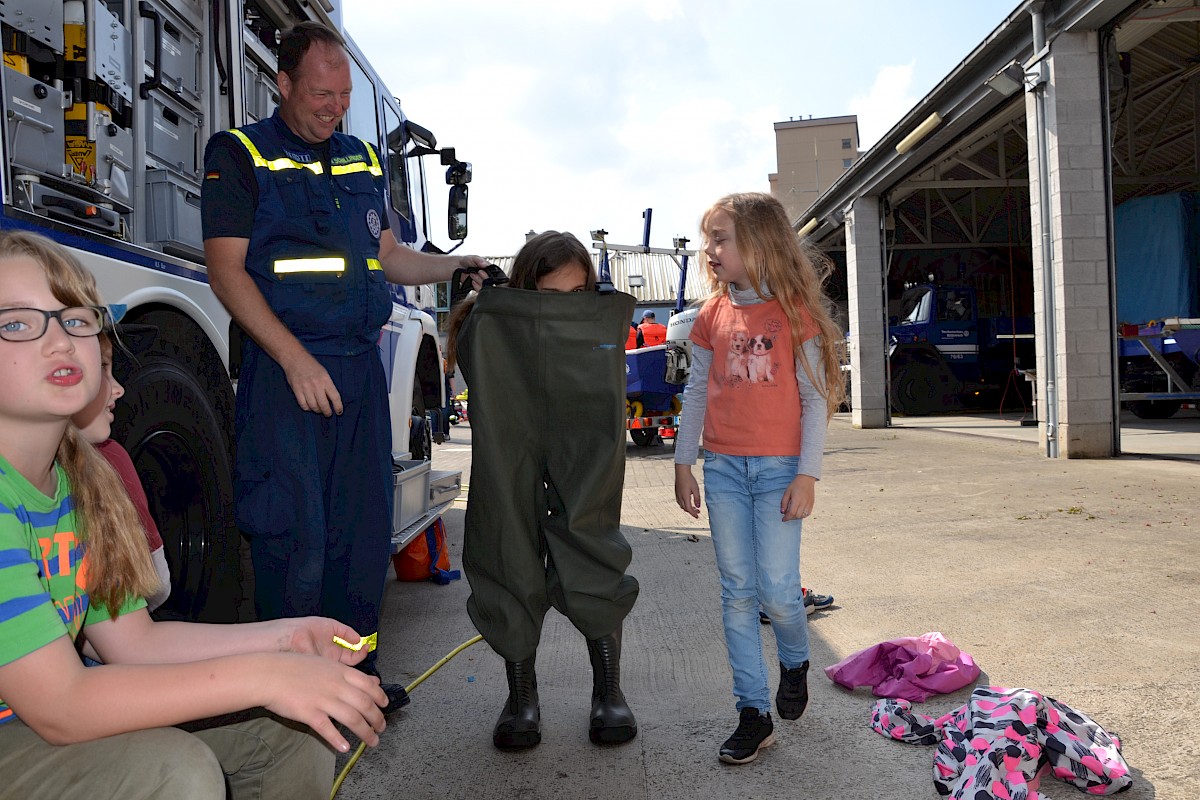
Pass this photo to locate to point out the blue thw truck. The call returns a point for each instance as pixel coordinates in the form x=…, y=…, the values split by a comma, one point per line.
x=944, y=353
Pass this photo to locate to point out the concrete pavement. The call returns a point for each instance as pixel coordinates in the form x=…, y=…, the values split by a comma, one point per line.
x=1074, y=578
x=1175, y=438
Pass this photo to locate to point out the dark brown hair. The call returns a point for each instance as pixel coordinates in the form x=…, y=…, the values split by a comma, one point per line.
x=547, y=252
x=297, y=41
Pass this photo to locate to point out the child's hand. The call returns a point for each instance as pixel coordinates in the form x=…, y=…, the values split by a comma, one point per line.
x=687, y=491
x=315, y=636
x=798, y=499
x=319, y=693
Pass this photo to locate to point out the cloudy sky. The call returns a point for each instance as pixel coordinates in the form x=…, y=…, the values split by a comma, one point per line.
x=580, y=115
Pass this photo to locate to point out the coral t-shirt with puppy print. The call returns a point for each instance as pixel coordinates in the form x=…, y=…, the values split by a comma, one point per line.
x=753, y=404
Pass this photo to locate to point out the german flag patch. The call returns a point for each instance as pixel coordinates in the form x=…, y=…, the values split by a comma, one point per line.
x=212, y=176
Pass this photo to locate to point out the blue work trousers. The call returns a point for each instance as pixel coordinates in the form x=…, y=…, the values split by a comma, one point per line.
x=314, y=493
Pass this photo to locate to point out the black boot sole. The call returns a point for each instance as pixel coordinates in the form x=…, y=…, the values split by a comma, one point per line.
x=790, y=714
x=618, y=735
x=519, y=740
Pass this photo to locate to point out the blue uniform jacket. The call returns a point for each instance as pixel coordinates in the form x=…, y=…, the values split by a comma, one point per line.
x=315, y=244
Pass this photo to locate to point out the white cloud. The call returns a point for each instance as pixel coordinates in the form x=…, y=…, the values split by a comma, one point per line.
x=889, y=98
x=578, y=116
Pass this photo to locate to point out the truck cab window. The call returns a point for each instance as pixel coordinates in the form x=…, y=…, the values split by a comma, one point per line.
x=397, y=180
x=915, y=305
x=954, y=306
x=363, y=114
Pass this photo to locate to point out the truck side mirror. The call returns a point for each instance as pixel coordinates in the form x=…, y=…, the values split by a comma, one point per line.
x=458, y=172
x=456, y=220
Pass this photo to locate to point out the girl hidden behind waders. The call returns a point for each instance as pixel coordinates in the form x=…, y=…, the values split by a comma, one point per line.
x=544, y=359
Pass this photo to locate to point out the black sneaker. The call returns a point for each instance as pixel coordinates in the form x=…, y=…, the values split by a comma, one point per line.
x=792, y=696
x=754, y=732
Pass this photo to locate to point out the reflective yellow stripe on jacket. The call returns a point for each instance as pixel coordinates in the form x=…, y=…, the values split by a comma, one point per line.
x=276, y=164
x=286, y=266
x=360, y=166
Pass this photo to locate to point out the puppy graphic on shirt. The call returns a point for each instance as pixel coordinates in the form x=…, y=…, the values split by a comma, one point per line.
x=735, y=361
x=758, y=360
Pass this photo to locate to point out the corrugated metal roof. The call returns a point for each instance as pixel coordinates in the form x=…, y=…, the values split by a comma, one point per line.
x=1154, y=105
x=659, y=271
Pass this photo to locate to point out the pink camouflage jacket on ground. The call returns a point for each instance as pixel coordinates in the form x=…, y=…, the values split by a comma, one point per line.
x=999, y=744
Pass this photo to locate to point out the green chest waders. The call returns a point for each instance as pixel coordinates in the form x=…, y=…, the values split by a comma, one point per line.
x=546, y=372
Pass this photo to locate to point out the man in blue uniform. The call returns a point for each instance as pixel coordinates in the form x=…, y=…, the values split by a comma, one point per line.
x=299, y=250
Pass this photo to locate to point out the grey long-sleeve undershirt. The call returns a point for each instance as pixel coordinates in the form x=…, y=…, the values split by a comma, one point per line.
x=813, y=421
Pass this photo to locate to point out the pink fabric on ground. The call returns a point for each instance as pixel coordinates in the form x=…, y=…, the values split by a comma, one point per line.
x=911, y=668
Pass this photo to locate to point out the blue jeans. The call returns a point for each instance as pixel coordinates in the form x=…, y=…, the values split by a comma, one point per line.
x=758, y=556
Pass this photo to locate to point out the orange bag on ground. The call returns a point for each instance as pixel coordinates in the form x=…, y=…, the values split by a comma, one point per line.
x=426, y=558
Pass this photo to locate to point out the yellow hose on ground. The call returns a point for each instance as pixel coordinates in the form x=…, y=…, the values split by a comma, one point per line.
x=408, y=690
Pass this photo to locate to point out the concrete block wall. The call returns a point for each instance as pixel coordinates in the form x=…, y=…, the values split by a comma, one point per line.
x=864, y=262
x=1084, y=336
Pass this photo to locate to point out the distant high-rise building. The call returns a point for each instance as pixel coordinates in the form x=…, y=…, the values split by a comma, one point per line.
x=810, y=154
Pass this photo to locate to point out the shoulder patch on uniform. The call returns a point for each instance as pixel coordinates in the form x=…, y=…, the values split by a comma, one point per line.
x=214, y=175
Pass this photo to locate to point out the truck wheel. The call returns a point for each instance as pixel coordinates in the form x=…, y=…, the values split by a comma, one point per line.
x=643, y=437
x=174, y=436
x=1155, y=409
x=915, y=390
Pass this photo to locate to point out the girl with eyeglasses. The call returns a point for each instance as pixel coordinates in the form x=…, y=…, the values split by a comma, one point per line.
x=74, y=568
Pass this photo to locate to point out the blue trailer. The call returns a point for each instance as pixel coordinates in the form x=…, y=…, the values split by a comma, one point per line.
x=1159, y=366
x=652, y=404
x=652, y=401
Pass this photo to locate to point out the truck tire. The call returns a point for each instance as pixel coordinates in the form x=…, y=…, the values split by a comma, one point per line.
x=181, y=451
x=420, y=435
x=643, y=437
x=916, y=390
x=1155, y=409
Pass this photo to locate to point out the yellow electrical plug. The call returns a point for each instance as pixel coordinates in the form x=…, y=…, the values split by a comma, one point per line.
x=370, y=642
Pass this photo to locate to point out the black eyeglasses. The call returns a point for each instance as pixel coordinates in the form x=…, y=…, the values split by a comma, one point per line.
x=30, y=324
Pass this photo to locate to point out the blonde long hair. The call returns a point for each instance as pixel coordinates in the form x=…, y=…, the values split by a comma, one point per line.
x=118, y=559
x=793, y=271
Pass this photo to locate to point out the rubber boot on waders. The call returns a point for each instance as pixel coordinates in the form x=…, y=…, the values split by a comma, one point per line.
x=520, y=722
x=612, y=720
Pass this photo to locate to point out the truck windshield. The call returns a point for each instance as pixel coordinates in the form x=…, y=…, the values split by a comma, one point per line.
x=915, y=305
